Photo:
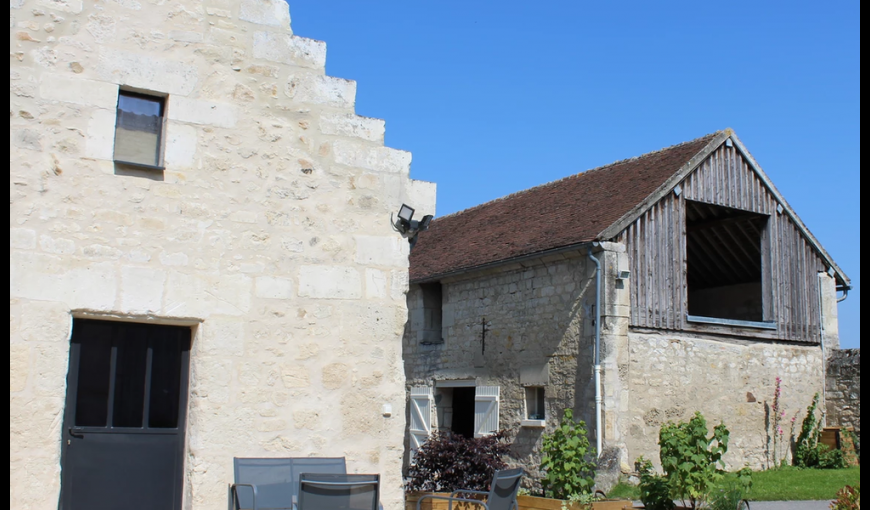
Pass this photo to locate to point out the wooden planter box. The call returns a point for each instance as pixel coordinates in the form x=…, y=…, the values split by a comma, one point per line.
x=525, y=503
x=435, y=504
x=536, y=503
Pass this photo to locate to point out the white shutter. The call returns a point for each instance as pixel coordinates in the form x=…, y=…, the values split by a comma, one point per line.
x=485, y=410
x=421, y=416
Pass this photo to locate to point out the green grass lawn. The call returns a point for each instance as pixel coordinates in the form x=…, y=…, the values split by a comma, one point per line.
x=782, y=484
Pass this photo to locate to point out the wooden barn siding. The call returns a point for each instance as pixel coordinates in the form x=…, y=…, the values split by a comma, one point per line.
x=656, y=245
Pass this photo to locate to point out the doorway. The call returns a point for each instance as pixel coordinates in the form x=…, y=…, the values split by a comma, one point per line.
x=124, y=421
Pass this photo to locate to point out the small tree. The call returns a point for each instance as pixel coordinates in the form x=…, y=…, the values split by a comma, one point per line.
x=447, y=462
x=692, y=461
x=568, y=459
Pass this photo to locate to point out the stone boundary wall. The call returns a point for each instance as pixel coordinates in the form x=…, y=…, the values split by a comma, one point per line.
x=843, y=384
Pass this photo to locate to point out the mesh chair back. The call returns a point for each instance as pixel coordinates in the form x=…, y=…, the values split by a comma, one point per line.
x=332, y=465
x=322, y=491
x=274, y=480
x=504, y=489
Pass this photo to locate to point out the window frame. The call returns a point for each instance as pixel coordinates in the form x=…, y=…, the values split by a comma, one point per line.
x=161, y=135
x=540, y=399
x=768, y=321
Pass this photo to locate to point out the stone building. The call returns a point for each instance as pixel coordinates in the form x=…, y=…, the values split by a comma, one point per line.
x=710, y=288
x=202, y=261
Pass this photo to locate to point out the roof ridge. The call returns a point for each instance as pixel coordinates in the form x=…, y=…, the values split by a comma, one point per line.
x=579, y=174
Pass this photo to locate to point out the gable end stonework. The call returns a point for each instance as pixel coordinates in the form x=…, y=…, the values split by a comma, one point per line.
x=261, y=226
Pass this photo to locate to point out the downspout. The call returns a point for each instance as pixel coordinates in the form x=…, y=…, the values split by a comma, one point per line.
x=824, y=354
x=598, y=398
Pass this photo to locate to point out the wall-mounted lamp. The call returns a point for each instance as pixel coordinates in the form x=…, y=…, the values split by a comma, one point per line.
x=623, y=275
x=409, y=228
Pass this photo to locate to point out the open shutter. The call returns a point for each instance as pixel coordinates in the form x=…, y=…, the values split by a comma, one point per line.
x=485, y=410
x=421, y=416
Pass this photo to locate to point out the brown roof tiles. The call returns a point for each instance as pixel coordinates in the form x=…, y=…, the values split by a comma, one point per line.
x=569, y=211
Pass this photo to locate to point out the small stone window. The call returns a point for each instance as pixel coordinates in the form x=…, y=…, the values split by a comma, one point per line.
x=535, y=407
x=139, y=130
x=432, y=313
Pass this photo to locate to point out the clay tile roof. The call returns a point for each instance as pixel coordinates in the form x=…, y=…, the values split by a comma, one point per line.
x=560, y=213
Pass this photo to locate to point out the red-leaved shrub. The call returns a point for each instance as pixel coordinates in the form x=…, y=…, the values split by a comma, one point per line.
x=447, y=461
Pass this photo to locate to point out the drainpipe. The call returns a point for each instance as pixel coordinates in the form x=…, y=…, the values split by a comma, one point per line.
x=824, y=354
x=598, y=398
x=845, y=294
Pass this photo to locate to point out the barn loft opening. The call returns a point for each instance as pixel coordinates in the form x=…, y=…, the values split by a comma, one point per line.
x=724, y=262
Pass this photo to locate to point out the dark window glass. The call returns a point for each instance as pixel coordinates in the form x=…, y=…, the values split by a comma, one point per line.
x=166, y=377
x=724, y=262
x=535, y=403
x=130, y=367
x=138, y=129
x=92, y=398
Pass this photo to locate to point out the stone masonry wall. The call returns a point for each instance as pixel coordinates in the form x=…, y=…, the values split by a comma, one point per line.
x=670, y=376
x=843, y=381
x=268, y=232
x=536, y=315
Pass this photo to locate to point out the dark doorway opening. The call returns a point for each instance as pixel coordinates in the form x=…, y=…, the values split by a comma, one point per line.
x=463, y=411
x=123, y=434
x=724, y=262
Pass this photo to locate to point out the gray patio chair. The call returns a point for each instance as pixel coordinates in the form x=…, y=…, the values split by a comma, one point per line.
x=329, y=491
x=263, y=483
x=502, y=493
x=331, y=465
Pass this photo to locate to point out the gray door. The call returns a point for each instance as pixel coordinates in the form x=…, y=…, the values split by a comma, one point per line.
x=123, y=433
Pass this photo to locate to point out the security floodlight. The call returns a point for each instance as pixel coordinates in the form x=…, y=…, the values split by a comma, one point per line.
x=623, y=275
x=407, y=227
x=424, y=223
x=406, y=213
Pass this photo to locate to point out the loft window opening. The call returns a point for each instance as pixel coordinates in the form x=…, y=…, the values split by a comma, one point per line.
x=139, y=130
x=432, y=313
x=724, y=253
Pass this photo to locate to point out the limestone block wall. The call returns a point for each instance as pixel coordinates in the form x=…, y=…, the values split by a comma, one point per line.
x=843, y=382
x=669, y=376
x=268, y=232
x=536, y=314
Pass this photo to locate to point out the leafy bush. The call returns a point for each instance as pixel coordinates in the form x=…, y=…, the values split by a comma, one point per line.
x=567, y=459
x=690, y=459
x=447, y=461
x=730, y=497
x=848, y=498
x=809, y=452
x=655, y=492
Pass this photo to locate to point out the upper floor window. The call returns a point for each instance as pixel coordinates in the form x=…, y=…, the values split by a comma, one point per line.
x=139, y=129
x=725, y=253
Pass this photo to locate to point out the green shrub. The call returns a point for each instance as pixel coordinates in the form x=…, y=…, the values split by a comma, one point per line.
x=809, y=452
x=729, y=497
x=692, y=461
x=655, y=492
x=567, y=459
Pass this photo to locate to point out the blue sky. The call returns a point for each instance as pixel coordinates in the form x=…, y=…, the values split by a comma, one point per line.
x=496, y=97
